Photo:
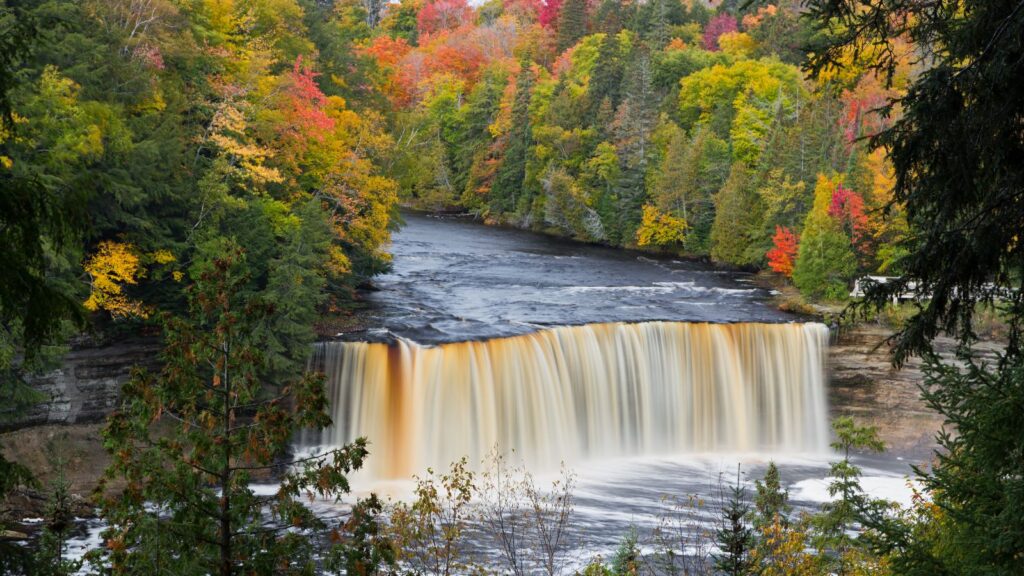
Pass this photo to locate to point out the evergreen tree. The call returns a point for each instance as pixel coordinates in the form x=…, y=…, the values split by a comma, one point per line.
x=971, y=524
x=508, y=192
x=826, y=261
x=633, y=124
x=733, y=536
x=738, y=214
x=478, y=113
x=605, y=80
x=838, y=517
x=572, y=24
x=772, y=501
x=627, y=556
x=41, y=223
x=52, y=544
x=655, y=20
x=686, y=179
x=611, y=16
x=187, y=441
x=956, y=152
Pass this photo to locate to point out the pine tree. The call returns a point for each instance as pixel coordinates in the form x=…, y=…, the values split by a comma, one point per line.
x=838, y=517
x=634, y=122
x=826, y=261
x=572, y=23
x=772, y=501
x=733, y=536
x=507, y=192
x=186, y=443
x=605, y=80
x=738, y=214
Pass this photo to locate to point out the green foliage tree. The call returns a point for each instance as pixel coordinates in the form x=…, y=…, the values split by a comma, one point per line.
x=837, y=518
x=50, y=549
x=961, y=191
x=508, y=191
x=825, y=262
x=733, y=536
x=628, y=556
x=738, y=213
x=771, y=504
x=187, y=442
x=634, y=122
x=953, y=152
x=40, y=223
x=970, y=522
x=572, y=24
x=605, y=83
x=686, y=179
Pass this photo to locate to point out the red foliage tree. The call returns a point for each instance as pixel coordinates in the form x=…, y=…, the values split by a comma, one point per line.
x=782, y=256
x=718, y=25
x=548, y=13
x=304, y=106
x=443, y=15
x=847, y=208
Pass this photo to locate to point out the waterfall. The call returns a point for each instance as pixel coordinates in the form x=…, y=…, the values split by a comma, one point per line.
x=580, y=392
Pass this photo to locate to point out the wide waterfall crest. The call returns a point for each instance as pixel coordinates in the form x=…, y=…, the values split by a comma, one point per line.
x=580, y=392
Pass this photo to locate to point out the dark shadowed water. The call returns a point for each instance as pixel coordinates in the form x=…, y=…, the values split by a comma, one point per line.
x=455, y=279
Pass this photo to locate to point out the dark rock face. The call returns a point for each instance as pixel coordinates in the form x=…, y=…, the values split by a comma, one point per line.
x=864, y=384
x=87, y=384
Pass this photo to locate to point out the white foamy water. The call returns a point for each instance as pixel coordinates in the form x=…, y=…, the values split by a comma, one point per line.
x=581, y=393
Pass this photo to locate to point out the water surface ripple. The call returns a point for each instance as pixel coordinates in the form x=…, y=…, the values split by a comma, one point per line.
x=455, y=279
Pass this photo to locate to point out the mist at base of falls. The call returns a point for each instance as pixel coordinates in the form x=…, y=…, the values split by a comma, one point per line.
x=579, y=394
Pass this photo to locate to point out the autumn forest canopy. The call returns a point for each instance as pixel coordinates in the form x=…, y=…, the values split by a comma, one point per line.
x=294, y=129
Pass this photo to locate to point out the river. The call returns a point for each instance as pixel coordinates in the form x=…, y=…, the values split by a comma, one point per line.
x=454, y=279
x=651, y=378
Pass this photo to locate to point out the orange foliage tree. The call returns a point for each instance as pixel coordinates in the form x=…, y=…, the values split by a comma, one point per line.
x=782, y=256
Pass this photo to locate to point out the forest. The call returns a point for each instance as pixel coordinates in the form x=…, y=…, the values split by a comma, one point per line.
x=657, y=125
x=227, y=174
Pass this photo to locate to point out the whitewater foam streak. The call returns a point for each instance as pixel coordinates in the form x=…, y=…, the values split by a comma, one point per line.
x=580, y=393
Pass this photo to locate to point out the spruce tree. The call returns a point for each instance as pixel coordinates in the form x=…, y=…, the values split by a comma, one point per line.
x=187, y=442
x=838, y=517
x=733, y=536
x=772, y=501
x=605, y=80
x=825, y=261
x=634, y=122
x=507, y=192
x=572, y=23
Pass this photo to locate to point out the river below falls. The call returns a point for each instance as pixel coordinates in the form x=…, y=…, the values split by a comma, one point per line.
x=455, y=280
